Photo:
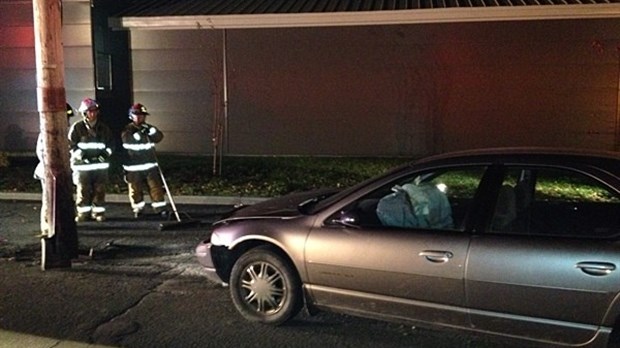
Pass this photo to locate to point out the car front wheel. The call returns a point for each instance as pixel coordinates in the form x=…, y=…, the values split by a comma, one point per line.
x=265, y=288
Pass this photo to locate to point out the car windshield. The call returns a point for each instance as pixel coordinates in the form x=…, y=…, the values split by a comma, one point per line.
x=316, y=204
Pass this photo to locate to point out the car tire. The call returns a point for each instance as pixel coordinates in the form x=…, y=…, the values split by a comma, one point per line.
x=265, y=287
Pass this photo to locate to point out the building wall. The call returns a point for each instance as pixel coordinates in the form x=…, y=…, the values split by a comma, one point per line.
x=385, y=90
x=327, y=91
x=173, y=76
x=19, y=118
x=77, y=43
x=368, y=91
x=552, y=83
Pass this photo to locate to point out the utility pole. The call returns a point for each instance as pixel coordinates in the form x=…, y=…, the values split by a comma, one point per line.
x=59, y=245
x=617, y=125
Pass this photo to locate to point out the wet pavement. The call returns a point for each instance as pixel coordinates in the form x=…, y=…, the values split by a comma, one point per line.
x=134, y=285
x=120, y=260
x=20, y=220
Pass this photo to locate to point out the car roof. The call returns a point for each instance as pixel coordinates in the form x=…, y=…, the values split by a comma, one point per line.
x=604, y=159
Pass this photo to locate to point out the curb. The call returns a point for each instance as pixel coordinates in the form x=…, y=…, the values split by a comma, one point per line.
x=119, y=198
x=9, y=339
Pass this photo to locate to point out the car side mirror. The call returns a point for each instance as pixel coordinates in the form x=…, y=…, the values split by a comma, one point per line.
x=345, y=219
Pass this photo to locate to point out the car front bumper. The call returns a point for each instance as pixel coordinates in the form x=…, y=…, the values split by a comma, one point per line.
x=204, y=256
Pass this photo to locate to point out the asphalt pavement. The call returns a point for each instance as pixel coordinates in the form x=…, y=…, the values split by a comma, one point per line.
x=44, y=309
x=135, y=285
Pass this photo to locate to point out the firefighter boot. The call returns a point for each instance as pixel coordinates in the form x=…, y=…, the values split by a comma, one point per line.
x=81, y=217
x=137, y=213
x=98, y=217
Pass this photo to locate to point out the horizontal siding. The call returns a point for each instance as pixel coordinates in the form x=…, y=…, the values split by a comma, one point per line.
x=16, y=37
x=173, y=75
x=393, y=90
x=78, y=58
x=18, y=80
x=175, y=81
x=184, y=117
x=18, y=101
x=20, y=58
x=557, y=90
x=383, y=90
x=173, y=39
x=77, y=40
x=19, y=119
x=76, y=12
x=325, y=91
x=16, y=14
x=169, y=60
x=80, y=80
x=77, y=35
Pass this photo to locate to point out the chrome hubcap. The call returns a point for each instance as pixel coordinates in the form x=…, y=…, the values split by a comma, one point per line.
x=263, y=288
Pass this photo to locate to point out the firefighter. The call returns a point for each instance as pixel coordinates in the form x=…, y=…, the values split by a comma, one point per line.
x=141, y=167
x=90, y=141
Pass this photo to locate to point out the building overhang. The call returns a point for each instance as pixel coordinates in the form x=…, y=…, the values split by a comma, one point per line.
x=365, y=18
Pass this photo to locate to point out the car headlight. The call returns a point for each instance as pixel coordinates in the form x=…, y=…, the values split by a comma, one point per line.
x=216, y=239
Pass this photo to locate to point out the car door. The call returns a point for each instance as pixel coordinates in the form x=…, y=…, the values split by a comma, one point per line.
x=392, y=272
x=552, y=273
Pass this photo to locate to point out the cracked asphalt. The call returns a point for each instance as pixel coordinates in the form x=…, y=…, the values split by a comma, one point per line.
x=123, y=264
x=136, y=286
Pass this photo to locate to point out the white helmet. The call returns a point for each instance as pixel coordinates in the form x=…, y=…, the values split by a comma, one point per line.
x=88, y=104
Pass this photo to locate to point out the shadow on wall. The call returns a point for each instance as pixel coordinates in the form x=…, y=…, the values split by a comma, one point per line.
x=15, y=139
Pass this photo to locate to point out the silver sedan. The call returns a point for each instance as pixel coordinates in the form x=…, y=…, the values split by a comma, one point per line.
x=521, y=243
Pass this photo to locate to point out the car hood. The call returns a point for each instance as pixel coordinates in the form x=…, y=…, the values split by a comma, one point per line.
x=281, y=207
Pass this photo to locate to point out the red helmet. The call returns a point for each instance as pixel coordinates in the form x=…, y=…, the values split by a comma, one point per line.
x=137, y=109
x=88, y=104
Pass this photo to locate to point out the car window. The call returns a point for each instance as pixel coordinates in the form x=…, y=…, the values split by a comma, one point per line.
x=438, y=199
x=555, y=201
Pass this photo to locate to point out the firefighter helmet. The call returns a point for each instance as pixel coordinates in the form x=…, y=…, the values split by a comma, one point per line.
x=137, y=109
x=88, y=104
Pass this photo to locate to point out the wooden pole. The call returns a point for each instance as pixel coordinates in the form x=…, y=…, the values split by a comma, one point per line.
x=616, y=146
x=60, y=245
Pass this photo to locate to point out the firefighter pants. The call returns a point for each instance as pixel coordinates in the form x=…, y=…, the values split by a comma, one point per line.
x=147, y=179
x=90, y=191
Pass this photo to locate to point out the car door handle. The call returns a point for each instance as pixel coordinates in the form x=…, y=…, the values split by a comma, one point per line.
x=596, y=268
x=436, y=256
